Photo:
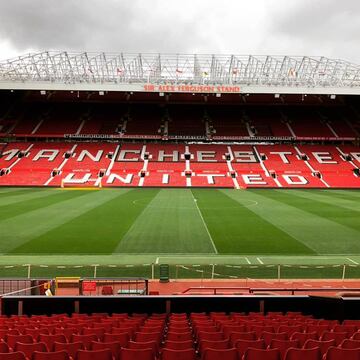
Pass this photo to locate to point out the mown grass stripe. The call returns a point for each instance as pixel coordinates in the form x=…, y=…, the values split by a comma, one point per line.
x=18, y=230
x=236, y=229
x=318, y=225
x=328, y=199
x=267, y=212
x=170, y=223
x=97, y=230
x=332, y=211
x=18, y=192
x=21, y=204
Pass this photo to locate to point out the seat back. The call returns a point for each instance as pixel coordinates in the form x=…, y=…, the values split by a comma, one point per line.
x=113, y=346
x=301, y=354
x=268, y=336
x=350, y=344
x=302, y=337
x=57, y=355
x=12, y=356
x=243, y=345
x=262, y=354
x=104, y=354
x=11, y=340
x=234, y=336
x=322, y=345
x=337, y=336
x=171, y=354
x=336, y=353
x=70, y=348
x=136, y=354
x=28, y=349
x=223, y=354
x=178, y=345
x=50, y=339
x=213, y=344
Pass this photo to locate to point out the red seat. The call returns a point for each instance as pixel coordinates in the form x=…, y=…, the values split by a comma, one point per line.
x=335, y=353
x=98, y=331
x=301, y=354
x=113, y=346
x=350, y=344
x=68, y=332
x=243, y=345
x=11, y=340
x=35, y=333
x=57, y=355
x=174, y=336
x=291, y=329
x=227, y=329
x=268, y=336
x=50, y=339
x=322, y=345
x=145, y=345
x=319, y=329
x=213, y=344
x=234, y=336
x=283, y=345
x=349, y=329
x=12, y=356
x=136, y=354
x=85, y=339
x=122, y=338
x=70, y=348
x=103, y=354
x=139, y=336
x=178, y=345
x=302, y=337
x=337, y=336
x=261, y=354
x=259, y=329
x=4, y=347
x=28, y=349
x=171, y=354
x=223, y=354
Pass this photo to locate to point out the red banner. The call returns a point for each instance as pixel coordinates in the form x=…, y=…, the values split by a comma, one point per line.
x=89, y=286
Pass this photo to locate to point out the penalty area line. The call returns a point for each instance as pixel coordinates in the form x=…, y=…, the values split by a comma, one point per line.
x=353, y=261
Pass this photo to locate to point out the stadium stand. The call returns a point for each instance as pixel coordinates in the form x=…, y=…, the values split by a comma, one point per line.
x=177, y=336
x=232, y=166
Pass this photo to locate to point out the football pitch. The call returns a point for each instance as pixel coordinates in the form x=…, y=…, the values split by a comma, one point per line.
x=199, y=232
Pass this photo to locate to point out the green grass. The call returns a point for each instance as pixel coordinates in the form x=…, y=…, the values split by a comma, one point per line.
x=206, y=232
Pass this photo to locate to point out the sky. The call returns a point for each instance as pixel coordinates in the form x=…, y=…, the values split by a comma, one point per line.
x=259, y=27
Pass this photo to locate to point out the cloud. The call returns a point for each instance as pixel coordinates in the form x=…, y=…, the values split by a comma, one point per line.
x=321, y=27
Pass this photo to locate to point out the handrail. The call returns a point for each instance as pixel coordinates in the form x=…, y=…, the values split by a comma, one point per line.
x=216, y=289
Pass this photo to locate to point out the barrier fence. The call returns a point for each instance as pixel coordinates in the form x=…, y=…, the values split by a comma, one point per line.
x=181, y=271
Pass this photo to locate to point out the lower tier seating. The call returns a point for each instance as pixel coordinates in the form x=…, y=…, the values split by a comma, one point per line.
x=214, y=335
x=179, y=165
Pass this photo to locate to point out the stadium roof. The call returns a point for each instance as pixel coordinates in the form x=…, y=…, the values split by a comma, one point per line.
x=180, y=73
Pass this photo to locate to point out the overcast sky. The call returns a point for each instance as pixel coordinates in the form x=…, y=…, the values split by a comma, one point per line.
x=295, y=27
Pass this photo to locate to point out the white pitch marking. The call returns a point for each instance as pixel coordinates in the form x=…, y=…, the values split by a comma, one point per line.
x=157, y=260
x=247, y=260
x=206, y=228
x=260, y=261
x=353, y=261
